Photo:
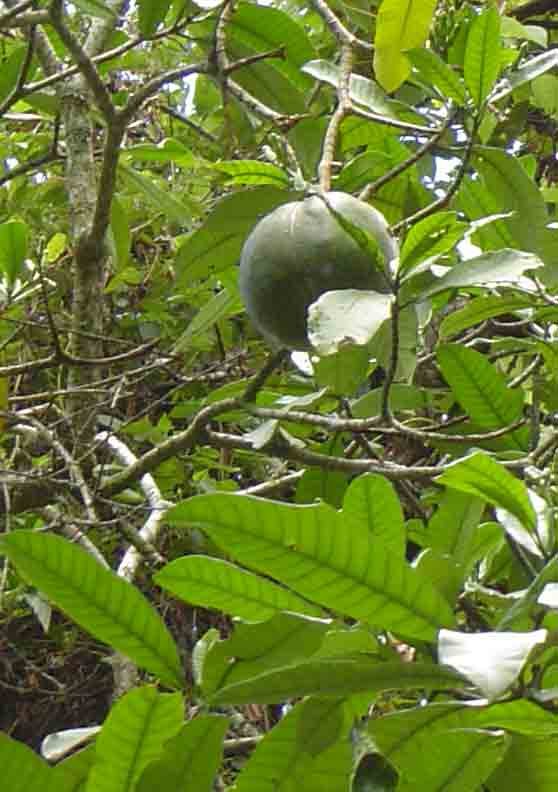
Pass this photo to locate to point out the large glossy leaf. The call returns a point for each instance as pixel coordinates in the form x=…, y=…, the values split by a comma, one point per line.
x=287, y=760
x=190, y=760
x=483, y=392
x=278, y=82
x=216, y=245
x=74, y=771
x=371, y=504
x=531, y=763
x=401, y=25
x=309, y=549
x=133, y=735
x=528, y=71
x=225, y=303
x=346, y=316
x=336, y=677
x=460, y=754
x=11, y=68
x=482, y=55
x=110, y=608
x=501, y=267
x=23, y=771
x=362, y=90
x=214, y=583
x=255, y=649
x=180, y=210
x=515, y=192
x=481, y=309
x=480, y=475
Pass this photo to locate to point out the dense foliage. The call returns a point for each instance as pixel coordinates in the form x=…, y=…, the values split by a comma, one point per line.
x=353, y=550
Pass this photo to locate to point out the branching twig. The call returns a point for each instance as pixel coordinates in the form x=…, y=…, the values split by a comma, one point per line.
x=341, y=111
x=341, y=33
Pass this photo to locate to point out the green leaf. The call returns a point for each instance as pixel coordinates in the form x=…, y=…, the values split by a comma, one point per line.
x=531, y=763
x=514, y=190
x=96, y=8
x=480, y=475
x=530, y=69
x=496, y=268
x=371, y=504
x=434, y=71
x=11, y=69
x=460, y=756
x=214, y=583
x=345, y=317
x=190, y=760
x=13, y=249
x=345, y=371
x=133, y=735
x=179, y=211
x=168, y=150
x=255, y=649
x=110, y=608
x=401, y=25
x=72, y=773
x=361, y=90
x=218, y=242
x=24, y=771
x=308, y=549
x=221, y=305
x=432, y=236
x=480, y=309
x=336, y=677
x=282, y=763
x=453, y=525
x=483, y=392
x=482, y=56
x=252, y=172
x=151, y=14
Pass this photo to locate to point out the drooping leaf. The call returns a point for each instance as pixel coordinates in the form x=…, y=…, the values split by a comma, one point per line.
x=107, y=606
x=133, y=735
x=362, y=90
x=482, y=56
x=531, y=763
x=480, y=475
x=13, y=249
x=500, y=267
x=221, y=305
x=214, y=583
x=401, y=25
x=528, y=71
x=344, y=317
x=306, y=548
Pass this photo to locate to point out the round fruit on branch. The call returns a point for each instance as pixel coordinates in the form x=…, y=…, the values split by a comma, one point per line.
x=300, y=251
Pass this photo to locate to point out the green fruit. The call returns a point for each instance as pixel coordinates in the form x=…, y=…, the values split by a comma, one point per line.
x=298, y=252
